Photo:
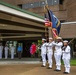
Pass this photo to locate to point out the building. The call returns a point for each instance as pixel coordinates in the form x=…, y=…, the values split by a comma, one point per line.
x=19, y=26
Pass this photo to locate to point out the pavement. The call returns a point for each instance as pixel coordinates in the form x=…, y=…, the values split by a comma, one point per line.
x=29, y=68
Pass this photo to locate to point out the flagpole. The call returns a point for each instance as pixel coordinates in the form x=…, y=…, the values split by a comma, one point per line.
x=45, y=26
x=47, y=8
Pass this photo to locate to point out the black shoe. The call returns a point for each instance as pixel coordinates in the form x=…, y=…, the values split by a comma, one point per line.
x=49, y=68
x=57, y=70
x=42, y=66
x=65, y=73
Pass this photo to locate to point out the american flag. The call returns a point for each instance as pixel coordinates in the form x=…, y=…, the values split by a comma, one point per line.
x=47, y=22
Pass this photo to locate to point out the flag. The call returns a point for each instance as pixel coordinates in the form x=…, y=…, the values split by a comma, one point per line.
x=33, y=49
x=55, y=33
x=55, y=23
x=47, y=22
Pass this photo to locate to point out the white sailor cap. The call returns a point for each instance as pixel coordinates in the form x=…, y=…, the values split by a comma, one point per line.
x=43, y=39
x=65, y=41
x=50, y=38
x=59, y=38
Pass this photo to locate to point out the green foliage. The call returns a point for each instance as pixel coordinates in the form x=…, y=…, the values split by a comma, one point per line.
x=72, y=62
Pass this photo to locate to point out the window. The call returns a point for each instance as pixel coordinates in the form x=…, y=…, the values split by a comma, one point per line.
x=62, y=21
x=61, y=1
x=20, y=6
x=55, y=2
x=42, y=3
x=36, y=4
x=50, y=2
x=39, y=4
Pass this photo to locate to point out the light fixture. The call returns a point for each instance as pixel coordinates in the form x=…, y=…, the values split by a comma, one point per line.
x=43, y=3
x=55, y=1
x=31, y=4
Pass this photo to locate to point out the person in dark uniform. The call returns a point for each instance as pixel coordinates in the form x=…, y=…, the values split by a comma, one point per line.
x=19, y=51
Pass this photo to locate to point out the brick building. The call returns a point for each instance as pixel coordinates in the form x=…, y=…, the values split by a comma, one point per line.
x=63, y=9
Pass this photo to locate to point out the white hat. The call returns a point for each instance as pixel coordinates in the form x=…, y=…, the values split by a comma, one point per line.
x=65, y=41
x=50, y=38
x=59, y=38
x=43, y=39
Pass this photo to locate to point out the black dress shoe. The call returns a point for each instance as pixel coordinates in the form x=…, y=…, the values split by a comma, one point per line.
x=57, y=70
x=42, y=66
x=65, y=73
x=49, y=68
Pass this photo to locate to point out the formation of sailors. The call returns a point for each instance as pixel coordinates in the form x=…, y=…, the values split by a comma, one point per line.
x=60, y=49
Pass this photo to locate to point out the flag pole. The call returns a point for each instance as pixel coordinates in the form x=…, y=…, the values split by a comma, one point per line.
x=45, y=26
x=47, y=9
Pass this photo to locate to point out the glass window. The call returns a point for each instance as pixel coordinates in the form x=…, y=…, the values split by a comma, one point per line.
x=55, y=2
x=50, y=2
x=39, y=4
x=31, y=5
x=24, y=6
x=36, y=4
x=42, y=3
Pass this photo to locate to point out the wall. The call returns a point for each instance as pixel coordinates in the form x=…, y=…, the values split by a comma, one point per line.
x=71, y=10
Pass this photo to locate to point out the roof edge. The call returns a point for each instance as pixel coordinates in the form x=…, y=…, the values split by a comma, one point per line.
x=24, y=11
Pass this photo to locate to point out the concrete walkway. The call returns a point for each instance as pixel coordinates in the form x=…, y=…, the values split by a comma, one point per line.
x=31, y=69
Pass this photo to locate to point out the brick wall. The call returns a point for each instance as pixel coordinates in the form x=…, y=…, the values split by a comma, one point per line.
x=71, y=10
x=68, y=31
x=67, y=11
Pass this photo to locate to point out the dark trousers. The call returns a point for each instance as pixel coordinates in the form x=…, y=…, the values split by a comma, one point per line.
x=19, y=54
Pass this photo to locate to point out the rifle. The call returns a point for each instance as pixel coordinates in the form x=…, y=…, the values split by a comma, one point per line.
x=71, y=41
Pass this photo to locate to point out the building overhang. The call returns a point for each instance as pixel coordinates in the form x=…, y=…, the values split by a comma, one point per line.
x=16, y=23
x=20, y=12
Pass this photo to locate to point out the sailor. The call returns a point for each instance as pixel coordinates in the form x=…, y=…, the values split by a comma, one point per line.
x=6, y=51
x=1, y=50
x=12, y=48
x=66, y=56
x=43, y=52
x=50, y=52
x=58, y=53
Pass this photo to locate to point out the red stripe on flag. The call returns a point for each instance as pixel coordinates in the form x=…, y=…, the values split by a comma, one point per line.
x=48, y=23
x=55, y=33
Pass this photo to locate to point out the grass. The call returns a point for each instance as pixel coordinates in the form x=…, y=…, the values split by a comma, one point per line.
x=72, y=62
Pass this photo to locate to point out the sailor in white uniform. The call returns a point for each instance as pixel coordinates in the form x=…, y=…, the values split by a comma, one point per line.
x=43, y=52
x=12, y=48
x=66, y=56
x=50, y=52
x=58, y=53
x=1, y=50
x=6, y=51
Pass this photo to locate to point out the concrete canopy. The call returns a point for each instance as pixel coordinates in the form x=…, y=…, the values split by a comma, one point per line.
x=19, y=23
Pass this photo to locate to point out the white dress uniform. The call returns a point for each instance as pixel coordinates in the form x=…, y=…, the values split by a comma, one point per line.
x=50, y=53
x=6, y=52
x=66, y=58
x=1, y=51
x=57, y=54
x=12, y=48
x=43, y=53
